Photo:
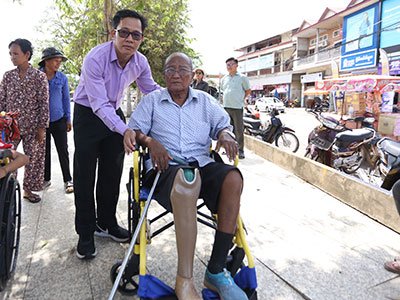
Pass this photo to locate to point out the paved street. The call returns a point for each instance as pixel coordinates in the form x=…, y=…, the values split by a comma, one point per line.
x=306, y=244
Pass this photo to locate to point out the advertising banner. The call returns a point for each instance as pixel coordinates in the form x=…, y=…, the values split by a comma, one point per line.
x=360, y=30
x=394, y=68
x=266, y=61
x=358, y=61
x=390, y=35
x=387, y=102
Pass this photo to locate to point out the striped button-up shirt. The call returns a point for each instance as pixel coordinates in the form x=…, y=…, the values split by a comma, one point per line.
x=185, y=131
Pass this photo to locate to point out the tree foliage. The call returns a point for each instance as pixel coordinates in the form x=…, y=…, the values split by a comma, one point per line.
x=80, y=25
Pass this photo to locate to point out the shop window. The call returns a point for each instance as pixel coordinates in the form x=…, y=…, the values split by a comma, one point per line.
x=313, y=41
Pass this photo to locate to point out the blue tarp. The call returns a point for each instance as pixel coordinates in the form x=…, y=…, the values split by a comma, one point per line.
x=152, y=287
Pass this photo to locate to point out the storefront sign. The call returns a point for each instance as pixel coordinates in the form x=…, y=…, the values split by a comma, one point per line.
x=311, y=77
x=358, y=61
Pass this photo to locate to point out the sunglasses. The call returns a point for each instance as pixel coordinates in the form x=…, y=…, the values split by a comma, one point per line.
x=199, y=73
x=181, y=72
x=136, y=35
x=231, y=64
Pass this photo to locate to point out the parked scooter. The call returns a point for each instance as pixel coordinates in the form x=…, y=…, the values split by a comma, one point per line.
x=272, y=131
x=337, y=146
x=251, y=113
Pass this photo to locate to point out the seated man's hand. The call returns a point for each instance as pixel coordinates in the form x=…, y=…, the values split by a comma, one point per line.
x=226, y=140
x=129, y=141
x=159, y=155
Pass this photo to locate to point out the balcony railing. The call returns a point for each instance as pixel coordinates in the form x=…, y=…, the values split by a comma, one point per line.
x=321, y=56
x=328, y=54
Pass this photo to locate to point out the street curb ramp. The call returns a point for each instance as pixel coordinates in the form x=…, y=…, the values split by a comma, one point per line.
x=373, y=201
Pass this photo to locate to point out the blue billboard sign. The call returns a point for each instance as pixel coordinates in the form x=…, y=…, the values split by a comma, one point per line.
x=360, y=30
x=390, y=34
x=360, y=60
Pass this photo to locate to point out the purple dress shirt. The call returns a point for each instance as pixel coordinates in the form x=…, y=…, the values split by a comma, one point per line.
x=103, y=82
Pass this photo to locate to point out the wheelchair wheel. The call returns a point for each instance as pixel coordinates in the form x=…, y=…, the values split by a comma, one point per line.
x=129, y=283
x=10, y=198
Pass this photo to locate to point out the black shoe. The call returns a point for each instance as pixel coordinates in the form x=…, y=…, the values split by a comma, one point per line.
x=117, y=233
x=241, y=155
x=86, y=248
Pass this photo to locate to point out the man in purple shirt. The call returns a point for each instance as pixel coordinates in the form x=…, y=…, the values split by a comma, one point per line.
x=99, y=128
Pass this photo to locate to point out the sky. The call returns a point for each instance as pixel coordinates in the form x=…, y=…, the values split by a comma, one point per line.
x=219, y=26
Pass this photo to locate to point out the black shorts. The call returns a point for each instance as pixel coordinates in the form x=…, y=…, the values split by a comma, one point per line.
x=212, y=177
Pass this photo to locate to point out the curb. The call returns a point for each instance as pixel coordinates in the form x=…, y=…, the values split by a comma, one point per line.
x=375, y=202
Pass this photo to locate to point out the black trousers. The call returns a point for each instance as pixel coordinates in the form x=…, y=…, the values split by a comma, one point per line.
x=57, y=129
x=96, y=146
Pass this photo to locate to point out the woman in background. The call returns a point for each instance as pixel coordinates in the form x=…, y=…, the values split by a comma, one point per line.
x=198, y=82
x=25, y=90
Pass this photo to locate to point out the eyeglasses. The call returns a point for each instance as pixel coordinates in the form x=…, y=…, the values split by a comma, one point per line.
x=199, y=73
x=181, y=72
x=136, y=35
x=230, y=64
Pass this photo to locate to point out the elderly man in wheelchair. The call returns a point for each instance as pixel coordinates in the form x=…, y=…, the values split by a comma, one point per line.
x=177, y=124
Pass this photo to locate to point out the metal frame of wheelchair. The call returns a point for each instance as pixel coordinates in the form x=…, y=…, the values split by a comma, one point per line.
x=136, y=265
x=10, y=216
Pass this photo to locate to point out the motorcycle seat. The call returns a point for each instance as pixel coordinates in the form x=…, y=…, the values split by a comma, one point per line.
x=390, y=146
x=355, y=135
x=252, y=122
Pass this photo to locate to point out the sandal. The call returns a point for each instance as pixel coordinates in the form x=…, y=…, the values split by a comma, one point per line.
x=46, y=184
x=69, y=187
x=392, y=266
x=33, y=198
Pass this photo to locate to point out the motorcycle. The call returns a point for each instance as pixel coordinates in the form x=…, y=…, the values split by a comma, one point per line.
x=386, y=171
x=272, y=131
x=251, y=113
x=338, y=146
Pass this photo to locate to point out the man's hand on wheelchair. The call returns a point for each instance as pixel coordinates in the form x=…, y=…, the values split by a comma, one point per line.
x=129, y=141
x=159, y=155
x=226, y=140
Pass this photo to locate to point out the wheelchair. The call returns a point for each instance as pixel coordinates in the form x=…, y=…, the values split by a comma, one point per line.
x=129, y=276
x=10, y=216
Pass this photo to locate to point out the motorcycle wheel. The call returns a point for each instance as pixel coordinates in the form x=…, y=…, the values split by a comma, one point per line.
x=287, y=140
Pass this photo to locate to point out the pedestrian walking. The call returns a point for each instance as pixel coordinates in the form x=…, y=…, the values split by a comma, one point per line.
x=25, y=90
x=100, y=129
x=236, y=88
x=60, y=115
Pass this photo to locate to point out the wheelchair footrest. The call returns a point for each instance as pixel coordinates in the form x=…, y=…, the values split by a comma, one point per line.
x=169, y=297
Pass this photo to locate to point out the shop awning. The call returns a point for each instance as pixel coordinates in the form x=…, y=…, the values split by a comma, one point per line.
x=361, y=83
x=313, y=91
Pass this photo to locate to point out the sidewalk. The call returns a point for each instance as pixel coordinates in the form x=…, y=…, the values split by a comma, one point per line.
x=306, y=244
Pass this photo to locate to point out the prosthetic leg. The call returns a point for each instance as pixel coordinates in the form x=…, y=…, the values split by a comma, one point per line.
x=184, y=195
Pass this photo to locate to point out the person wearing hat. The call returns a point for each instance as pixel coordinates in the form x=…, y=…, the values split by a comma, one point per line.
x=198, y=82
x=60, y=115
